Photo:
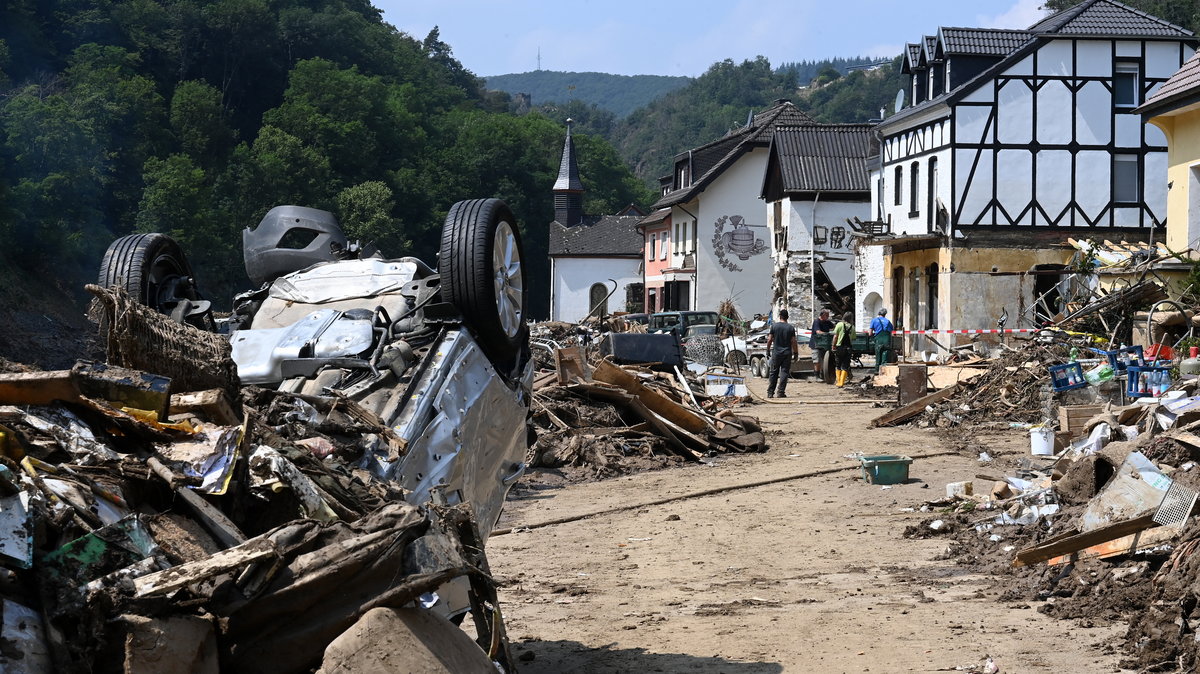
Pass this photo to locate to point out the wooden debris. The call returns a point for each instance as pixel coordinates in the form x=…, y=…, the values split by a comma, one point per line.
x=914, y=408
x=1069, y=543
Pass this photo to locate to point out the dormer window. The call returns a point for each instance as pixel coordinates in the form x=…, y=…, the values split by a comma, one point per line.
x=683, y=176
x=935, y=81
x=1126, y=85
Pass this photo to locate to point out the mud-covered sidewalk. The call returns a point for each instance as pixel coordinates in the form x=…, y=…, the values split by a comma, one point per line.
x=812, y=574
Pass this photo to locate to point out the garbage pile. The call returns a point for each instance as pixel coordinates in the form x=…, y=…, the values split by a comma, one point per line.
x=143, y=529
x=596, y=419
x=1098, y=522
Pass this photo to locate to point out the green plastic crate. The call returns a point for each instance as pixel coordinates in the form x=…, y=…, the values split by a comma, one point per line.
x=885, y=469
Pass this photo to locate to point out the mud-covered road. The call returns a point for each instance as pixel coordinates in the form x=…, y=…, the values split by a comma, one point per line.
x=805, y=575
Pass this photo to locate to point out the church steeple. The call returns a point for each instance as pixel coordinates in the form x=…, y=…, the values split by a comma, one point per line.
x=568, y=189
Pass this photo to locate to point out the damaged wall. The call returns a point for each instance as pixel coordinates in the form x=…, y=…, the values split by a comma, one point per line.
x=968, y=296
x=808, y=229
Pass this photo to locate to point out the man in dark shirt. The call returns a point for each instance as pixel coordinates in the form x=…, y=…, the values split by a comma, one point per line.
x=781, y=348
x=821, y=326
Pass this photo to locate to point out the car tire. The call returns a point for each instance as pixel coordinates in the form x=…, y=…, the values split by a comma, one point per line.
x=153, y=270
x=828, y=369
x=756, y=366
x=735, y=358
x=482, y=274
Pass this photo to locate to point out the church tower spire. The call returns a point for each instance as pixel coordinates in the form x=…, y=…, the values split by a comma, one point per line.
x=568, y=189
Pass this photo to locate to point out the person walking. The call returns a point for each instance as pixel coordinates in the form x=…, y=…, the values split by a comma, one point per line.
x=843, y=338
x=881, y=335
x=821, y=326
x=781, y=348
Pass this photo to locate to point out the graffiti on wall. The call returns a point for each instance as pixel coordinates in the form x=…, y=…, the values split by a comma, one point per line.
x=739, y=241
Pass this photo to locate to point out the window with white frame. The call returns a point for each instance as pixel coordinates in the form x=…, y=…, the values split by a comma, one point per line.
x=654, y=245
x=1126, y=179
x=662, y=253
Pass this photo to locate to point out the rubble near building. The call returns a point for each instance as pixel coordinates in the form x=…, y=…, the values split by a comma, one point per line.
x=238, y=529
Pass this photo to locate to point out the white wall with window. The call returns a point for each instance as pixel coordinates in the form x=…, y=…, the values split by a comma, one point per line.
x=573, y=279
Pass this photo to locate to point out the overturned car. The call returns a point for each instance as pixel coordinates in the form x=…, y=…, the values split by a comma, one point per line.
x=439, y=357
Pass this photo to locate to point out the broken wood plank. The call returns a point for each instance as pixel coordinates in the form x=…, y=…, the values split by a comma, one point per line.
x=571, y=363
x=212, y=405
x=169, y=580
x=1069, y=543
x=662, y=428
x=551, y=415
x=657, y=402
x=914, y=408
x=220, y=526
x=1126, y=545
x=37, y=388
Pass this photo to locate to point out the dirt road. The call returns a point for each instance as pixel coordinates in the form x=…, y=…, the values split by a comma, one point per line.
x=804, y=575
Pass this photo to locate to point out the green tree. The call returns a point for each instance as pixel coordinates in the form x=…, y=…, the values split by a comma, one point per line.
x=365, y=213
x=200, y=124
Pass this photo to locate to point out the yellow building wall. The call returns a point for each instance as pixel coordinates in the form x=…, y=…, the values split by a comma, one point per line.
x=1183, y=152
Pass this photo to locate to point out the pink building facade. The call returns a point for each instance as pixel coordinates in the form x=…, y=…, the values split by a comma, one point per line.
x=656, y=228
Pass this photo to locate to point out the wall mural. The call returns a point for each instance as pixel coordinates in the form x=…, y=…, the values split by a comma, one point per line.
x=739, y=241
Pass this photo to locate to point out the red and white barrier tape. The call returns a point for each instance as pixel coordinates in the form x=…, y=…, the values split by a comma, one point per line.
x=950, y=332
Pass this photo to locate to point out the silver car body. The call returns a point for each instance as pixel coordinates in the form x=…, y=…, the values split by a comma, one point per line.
x=463, y=424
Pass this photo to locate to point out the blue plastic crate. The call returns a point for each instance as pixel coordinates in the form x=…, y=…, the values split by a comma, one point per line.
x=1122, y=358
x=1133, y=386
x=1067, y=377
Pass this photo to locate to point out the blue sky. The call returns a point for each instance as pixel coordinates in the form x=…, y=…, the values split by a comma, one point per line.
x=671, y=37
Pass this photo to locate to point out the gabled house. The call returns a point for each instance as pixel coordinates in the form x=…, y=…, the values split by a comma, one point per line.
x=1013, y=142
x=1175, y=108
x=719, y=243
x=595, y=261
x=816, y=187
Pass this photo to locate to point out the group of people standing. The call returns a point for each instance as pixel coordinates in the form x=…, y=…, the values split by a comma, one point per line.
x=782, y=347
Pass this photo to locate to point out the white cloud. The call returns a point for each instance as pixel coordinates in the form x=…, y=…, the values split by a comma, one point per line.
x=1023, y=14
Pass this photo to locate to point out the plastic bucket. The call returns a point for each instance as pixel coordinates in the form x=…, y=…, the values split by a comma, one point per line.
x=1041, y=441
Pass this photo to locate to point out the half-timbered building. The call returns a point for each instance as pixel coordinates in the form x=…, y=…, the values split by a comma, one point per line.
x=1011, y=142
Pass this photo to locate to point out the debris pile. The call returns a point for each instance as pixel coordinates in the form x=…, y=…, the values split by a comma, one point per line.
x=1097, y=522
x=596, y=419
x=240, y=532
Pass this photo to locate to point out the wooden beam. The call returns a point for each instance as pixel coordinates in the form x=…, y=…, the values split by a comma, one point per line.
x=659, y=403
x=1067, y=544
x=914, y=408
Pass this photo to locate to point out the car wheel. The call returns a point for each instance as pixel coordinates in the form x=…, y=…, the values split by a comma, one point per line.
x=154, y=271
x=482, y=274
x=756, y=366
x=735, y=358
x=827, y=367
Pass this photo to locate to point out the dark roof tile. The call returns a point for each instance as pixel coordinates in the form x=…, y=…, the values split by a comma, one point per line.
x=709, y=161
x=599, y=235
x=1107, y=17
x=825, y=157
x=1184, y=84
x=982, y=41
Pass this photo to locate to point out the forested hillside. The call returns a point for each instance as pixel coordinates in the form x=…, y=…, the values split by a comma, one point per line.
x=723, y=97
x=194, y=118
x=620, y=94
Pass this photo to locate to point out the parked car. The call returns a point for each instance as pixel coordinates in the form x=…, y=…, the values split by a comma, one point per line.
x=440, y=355
x=678, y=321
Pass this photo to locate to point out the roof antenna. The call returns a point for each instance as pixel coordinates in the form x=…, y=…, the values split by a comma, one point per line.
x=750, y=117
